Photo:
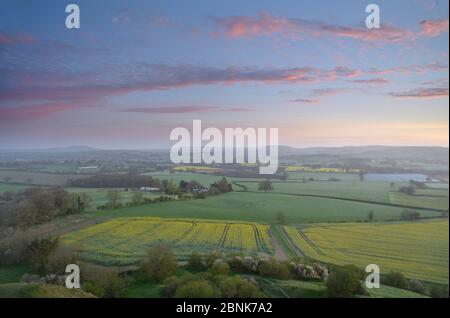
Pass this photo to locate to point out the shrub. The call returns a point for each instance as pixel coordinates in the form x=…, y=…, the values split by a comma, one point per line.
x=195, y=289
x=211, y=258
x=58, y=259
x=160, y=262
x=219, y=268
x=38, y=251
x=396, y=279
x=195, y=262
x=236, y=287
x=345, y=282
x=114, y=286
x=407, y=190
x=172, y=283
x=274, y=269
x=309, y=272
x=416, y=286
x=246, y=264
x=410, y=215
x=235, y=263
x=249, y=264
x=101, y=281
x=13, y=244
x=439, y=291
x=206, y=286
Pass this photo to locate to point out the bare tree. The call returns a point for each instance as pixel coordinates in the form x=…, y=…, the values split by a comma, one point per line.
x=113, y=197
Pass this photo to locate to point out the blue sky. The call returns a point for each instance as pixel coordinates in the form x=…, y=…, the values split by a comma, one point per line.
x=137, y=69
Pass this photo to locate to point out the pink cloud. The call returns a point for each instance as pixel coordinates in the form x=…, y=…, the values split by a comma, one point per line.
x=93, y=86
x=375, y=81
x=90, y=89
x=18, y=37
x=160, y=21
x=121, y=17
x=265, y=25
x=304, y=101
x=434, y=28
x=8, y=114
x=24, y=38
x=323, y=92
x=169, y=109
x=240, y=110
x=405, y=70
x=183, y=109
x=423, y=93
x=4, y=39
x=241, y=26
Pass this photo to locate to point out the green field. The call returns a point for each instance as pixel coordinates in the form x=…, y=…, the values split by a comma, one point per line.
x=311, y=289
x=12, y=187
x=323, y=176
x=323, y=220
x=366, y=190
x=422, y=201
x=263, y=208
x=204, y=179
x=124, y=241
x=99, y=195
x=419, y=249
x=11, y=274
x=35, y=290
x=55, y=167
x=37, y=178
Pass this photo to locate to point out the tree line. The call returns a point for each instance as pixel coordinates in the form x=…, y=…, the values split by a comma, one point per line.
x=39, y=205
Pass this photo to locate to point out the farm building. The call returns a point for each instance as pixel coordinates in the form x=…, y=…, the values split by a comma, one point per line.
x=89, y=169
x=200, y=190
x=150, y=189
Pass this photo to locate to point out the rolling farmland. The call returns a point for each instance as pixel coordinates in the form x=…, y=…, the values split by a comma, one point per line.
x=351, y=189
x=434, y=201
x=262, y=208
x=37, y=178
x=99, y=195
x=419, y=250
x=124, y=241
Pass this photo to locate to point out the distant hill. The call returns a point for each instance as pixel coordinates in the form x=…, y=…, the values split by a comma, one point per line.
x=413, y=152
x=318, y=155
x=70, y=149
x=53, y=149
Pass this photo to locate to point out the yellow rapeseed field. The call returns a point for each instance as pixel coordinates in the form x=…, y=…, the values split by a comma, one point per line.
x=310, y=169
x=419, y=249
x=125, y=240
x=196, y=169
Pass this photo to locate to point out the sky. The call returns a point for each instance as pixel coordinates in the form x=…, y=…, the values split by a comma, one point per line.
x=135, y=70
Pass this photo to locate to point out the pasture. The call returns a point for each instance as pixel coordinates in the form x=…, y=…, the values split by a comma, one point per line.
x=349, y=189
x=423, y=201
x=323, y=169
x=124, y=241
x=310, y=289
x=263, y=208
x=12, y=187
x=299, y=176
x=203, y=178
x=55, y=167
x=99, y=195
x=419, y=249
x=37, y=178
